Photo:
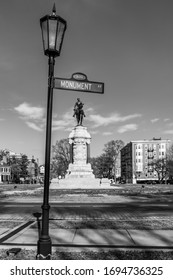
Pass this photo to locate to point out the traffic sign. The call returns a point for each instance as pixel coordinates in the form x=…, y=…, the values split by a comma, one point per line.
x=79, y=82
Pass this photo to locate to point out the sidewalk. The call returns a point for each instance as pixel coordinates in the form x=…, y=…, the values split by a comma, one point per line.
x=25, y=234
x=28, y=236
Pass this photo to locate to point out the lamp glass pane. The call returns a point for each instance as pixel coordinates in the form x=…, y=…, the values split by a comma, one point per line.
x=52, y=33
x=44, y=26
x=60, y=34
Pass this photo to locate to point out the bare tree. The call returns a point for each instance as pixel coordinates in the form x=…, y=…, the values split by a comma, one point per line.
x=60, y=158
x=161, y=166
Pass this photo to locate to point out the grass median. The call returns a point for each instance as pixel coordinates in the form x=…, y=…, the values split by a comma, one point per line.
x=92, y=255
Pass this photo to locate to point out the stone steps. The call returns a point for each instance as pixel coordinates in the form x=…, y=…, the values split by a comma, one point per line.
x=79, y=183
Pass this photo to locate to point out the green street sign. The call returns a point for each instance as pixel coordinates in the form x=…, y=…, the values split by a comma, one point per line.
x=78, y=82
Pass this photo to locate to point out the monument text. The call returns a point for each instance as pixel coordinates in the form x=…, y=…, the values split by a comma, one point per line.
x=71, y=84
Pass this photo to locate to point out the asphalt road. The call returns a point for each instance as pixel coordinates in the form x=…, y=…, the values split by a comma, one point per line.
x=74, y=210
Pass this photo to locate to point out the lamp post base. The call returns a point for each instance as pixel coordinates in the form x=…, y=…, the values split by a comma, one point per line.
x=44, y=251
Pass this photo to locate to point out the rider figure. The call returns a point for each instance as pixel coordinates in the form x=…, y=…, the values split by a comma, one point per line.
x=78, y=107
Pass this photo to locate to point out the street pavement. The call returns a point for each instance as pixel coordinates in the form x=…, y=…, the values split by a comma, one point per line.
x=81, y=221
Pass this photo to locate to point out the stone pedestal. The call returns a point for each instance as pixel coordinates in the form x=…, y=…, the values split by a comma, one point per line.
x=79, y=167
x=79, y=173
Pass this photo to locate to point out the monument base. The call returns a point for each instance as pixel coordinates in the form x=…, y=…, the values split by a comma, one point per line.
x=75, y=183
x=79, y=171
x=79, y=174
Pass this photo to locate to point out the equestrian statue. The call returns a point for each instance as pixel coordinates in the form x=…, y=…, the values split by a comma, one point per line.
x=78, y=111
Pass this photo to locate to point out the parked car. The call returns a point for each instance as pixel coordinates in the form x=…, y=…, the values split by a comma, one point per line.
x=151, y=182
x=170, y=181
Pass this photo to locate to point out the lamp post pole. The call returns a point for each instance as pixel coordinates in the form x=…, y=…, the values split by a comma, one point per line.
x=44, y=242
x=53, y=29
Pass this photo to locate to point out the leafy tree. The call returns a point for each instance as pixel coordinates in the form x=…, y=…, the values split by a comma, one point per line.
x=3, y=153
x=112, y=151
x=101, y=166
x=36, y=169
x=23, y=163
x=105, y=165
x=19, y=168
x=15, y=169
x=60, y=158
x=32, y=169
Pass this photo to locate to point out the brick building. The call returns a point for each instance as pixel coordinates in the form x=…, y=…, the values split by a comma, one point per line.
x=137, y=158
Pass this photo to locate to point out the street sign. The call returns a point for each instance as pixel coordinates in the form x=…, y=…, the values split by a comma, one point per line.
x=79, y=82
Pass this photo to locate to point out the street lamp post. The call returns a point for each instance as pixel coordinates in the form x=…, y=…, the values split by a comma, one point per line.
x=53, y=29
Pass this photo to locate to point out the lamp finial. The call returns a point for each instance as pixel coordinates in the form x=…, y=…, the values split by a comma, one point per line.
x=54, y=10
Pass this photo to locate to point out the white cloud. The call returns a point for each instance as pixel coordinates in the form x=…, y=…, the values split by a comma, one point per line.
x=33, y=116
x=68, y=129
x=99, y=120
x=26, y=111
x=166, y=119
x=127, y=127
x=168, y=132
x=65, y=123
x=155, y=120
x=60, y=123
x=89, y=109
x=107, y=133
x=94, y=132
x=169, y=124
x=34, y=126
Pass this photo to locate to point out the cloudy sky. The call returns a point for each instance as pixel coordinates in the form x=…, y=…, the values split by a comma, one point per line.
x=127, y=44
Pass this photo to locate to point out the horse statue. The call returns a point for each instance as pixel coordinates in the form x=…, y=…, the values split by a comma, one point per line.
x=79, y=112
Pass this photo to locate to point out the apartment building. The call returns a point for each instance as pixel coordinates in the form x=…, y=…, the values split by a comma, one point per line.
x=137, y=157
